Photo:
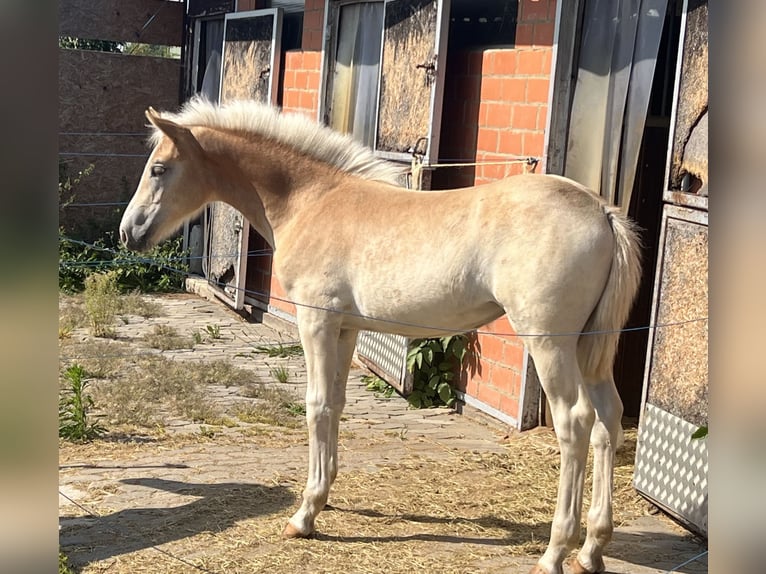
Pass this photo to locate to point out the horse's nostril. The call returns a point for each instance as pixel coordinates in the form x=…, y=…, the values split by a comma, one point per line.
x=124, y=237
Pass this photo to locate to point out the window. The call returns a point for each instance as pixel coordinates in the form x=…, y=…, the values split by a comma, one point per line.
x=355, y=68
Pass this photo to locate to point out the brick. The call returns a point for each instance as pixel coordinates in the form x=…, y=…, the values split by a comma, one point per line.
x=312, y=60
x=509, y=142
x=514, y=353
x=504, y=62
x=530, y=62
x=542, y=118
x=489, y=396
x=312, y=20
x=537, y=90
x=301, y=80
x=510, y=406
x=289, y=82
x=543, y=34
x=313, y=79
x=291, y=99
x=552, y=10
x=491, y=89
x=294, y=60
x=513, y=89
x=533, y=143
x=505, y=379
x=524, y=117
x=487, y=139
x=533, y=10
x=524, y=34
x=308, y=101
x=491, y=347
x=499, y=116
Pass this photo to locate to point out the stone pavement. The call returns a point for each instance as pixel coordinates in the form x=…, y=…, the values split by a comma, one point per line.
x=649, y=545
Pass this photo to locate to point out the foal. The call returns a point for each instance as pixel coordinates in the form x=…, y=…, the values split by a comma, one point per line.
x=356, y=252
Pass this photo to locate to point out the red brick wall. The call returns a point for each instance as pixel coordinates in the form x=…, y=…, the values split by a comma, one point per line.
x=501, y=112
x=300, y=94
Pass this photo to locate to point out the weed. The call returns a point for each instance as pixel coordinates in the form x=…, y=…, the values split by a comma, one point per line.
x=280, y=374
x=134, y=304
x=197, y=337
x=207, y=432
x=273, y=406
x=101, y=294
x=214, y=331
x=378, y=386
x=281, y=351
x=166, y=338
x=74, y=408
x=63, y=566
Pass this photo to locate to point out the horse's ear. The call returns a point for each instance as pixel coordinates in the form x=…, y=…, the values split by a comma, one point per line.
x=182, y=137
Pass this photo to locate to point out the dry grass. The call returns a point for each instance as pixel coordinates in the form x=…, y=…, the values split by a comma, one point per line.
x=167, y=338
x=398, y=506
x=421, y=514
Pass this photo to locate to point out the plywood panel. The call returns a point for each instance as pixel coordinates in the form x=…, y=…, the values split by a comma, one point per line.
x=247, y=59
x=145, y=21
x=693, y=86
x=678, y=377
x=410, y=71
x=102, y=98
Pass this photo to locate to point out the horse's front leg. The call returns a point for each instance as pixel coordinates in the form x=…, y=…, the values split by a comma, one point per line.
x=325, y=396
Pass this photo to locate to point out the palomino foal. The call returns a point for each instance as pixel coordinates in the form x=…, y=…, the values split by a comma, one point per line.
x=356, y=252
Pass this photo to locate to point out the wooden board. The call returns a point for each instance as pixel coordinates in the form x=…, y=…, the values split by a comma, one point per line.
x=412, y=77
x=144, y=21
x=102, y=98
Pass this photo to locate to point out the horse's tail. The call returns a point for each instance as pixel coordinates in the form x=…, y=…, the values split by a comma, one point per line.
x=596, y=352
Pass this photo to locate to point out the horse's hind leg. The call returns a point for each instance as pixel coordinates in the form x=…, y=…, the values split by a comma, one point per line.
x=606, y=437
x=556, y=363
x=328, y=356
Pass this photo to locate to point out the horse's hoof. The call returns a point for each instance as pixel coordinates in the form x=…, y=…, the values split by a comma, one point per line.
x=578, y=568
x=291, y=531
x=537, y=569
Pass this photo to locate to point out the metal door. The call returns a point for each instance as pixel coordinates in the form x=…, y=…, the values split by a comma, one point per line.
x=249, y=70
x=413, y=66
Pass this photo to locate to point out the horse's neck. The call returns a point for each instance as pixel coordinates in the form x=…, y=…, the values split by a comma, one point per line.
x=262, y=179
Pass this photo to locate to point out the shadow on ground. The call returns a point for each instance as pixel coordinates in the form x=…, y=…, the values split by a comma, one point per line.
x=87, y=539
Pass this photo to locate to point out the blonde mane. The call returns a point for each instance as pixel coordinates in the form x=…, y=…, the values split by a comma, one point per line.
x=293, y=130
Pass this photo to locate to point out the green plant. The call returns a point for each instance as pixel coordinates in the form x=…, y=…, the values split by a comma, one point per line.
x=280, y=374
x=214, y=331
x=161, y=270
x=281, y=351
x=63, y=566
x=101, y=302
x=378, y=386
x=197, y=337
x=433, y=364
x=700, y=433
x=74, y=408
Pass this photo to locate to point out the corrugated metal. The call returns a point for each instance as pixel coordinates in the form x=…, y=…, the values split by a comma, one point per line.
x=289, y=6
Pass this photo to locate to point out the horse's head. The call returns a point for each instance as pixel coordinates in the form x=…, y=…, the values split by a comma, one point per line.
x=170, y=190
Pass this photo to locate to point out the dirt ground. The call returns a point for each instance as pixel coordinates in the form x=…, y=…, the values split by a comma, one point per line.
x=418, y=491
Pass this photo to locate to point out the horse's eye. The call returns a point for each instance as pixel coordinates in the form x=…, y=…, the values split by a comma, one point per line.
x=158, y=170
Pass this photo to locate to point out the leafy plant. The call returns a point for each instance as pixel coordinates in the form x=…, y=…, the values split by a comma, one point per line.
x=378, y=386
x=280, y=374
x=700, y=433
x=74, y=408
x=161, y=270
x=101, y=302
x=433, y=364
